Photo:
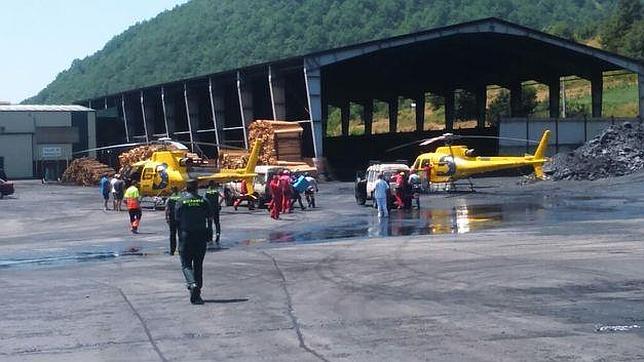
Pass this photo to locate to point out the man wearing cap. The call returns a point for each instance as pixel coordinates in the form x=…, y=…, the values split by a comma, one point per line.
x=192, y=213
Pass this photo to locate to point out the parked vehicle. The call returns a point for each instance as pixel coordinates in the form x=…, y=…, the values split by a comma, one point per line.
x=6, y=188
x=366, y=181
x=260, y=185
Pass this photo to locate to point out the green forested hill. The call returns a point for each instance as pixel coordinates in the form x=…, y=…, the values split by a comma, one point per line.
x=205, y=36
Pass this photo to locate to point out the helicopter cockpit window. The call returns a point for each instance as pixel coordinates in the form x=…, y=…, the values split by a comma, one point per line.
x=470, y=152
x=425, y=163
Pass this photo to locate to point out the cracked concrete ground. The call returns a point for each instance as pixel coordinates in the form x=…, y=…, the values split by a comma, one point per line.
x=524, y=288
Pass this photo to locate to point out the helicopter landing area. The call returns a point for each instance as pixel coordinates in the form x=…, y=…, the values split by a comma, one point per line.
x=545, y=271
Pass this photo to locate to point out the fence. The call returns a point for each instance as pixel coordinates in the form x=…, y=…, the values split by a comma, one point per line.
x=566, y=134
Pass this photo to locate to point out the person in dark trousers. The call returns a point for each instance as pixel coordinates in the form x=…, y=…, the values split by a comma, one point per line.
x=191, y=214
x=105, y=187
x=169, y=218
x=212, y=195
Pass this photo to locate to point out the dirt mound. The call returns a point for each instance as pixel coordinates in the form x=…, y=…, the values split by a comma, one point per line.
x=617, y=151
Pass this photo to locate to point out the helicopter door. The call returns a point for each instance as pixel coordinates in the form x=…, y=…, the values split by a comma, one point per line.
x=147, y=179
x=446, y=166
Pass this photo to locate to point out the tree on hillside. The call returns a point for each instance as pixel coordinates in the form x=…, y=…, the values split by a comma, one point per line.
x=615, y=31
x=500, y=106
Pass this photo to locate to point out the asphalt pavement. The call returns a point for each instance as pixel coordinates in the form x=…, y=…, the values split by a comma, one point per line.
x=544, y=271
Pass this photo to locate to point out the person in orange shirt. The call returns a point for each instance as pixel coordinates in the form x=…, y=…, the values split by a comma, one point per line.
x=132, y=200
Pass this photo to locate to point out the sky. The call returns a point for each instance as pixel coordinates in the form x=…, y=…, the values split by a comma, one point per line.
x=41, y=38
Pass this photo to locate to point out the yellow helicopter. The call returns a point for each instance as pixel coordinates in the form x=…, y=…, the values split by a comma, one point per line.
x=456, y=162
x=170, y=168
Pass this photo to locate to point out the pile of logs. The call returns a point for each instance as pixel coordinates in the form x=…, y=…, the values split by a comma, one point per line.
x=86, y=172
x=264, y=131
x=140, y=153
x=280, y=141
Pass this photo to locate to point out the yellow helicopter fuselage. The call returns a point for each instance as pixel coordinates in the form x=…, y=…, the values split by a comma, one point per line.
x=167, y=169
x=451, y=163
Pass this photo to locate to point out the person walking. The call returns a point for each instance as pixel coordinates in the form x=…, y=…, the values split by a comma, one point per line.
x=415, y=184
x=380, y=192
x=118, y=188
x=399, y=180
x=276, y=197
x=311, y=190
x=191, y=214
x=169, y=217
x=428, y=175
x=133, y=203
x=298, y=187
x=285, y=185
x=105, y=188
x=212, y=195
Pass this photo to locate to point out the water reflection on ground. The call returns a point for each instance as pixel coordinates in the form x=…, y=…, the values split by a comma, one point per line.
x=459, y=219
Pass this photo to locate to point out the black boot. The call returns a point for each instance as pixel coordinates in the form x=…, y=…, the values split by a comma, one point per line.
x=193, y=292
x=198, y=299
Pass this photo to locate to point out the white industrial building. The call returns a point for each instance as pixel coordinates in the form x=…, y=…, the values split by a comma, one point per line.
x=38, y=141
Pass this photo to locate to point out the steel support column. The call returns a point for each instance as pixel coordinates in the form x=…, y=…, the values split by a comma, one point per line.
x=245, y=105
x=145, y=120
x=450, y=110
x=640, y=87
x=313, y=80
x=481, y=105
x=393, y=114
x=516, y=101
x=278, y=96
x=596, y=93
x=168, y=114
x=127, y=130
x=367, y=115
x=190, y=132
x=554, y=97
x=213, y=112
x=345, y=115
x=420, y=112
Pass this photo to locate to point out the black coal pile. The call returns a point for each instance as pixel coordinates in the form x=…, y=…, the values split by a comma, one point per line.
x=617, y=151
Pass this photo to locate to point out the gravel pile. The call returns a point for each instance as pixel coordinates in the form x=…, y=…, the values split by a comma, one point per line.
x=617, y=151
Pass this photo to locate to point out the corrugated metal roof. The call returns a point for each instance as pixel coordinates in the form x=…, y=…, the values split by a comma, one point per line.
x=43, y=108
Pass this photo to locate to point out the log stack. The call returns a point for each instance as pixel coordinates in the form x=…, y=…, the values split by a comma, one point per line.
x=140, y=153
x=86, y=172
x=281, y=141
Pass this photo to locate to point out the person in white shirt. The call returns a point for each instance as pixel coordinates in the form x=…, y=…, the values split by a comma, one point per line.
x=380, y=192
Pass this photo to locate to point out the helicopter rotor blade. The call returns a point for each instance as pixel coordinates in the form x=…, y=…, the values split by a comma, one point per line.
x=504, y=138
x=403, y=145
x=215, y=145
x=122, y=145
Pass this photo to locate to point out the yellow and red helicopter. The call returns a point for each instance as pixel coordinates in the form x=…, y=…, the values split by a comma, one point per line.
x=454, y=162
x=175, y=165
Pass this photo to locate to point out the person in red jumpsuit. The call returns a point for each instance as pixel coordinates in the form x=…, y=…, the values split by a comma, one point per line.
x=399, y=179
x=287, y=193
x=428, y=175
x=276, y=197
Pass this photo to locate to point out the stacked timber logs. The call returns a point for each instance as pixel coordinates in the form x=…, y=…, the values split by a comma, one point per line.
x=86, y=172
x=140, y=153
x=280, y=141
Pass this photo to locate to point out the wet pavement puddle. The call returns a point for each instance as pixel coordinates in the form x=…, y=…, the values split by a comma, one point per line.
x=67, y=258
x=457, y=220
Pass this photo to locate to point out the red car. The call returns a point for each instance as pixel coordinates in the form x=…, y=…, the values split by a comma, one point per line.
x=6, y=188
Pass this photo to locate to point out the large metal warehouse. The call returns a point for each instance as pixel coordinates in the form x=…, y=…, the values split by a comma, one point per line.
x=38, y=140
x=470, y=56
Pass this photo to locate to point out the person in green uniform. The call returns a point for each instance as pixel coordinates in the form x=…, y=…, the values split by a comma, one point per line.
x=212, y=195
x=169, y=218
x=191, y=214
